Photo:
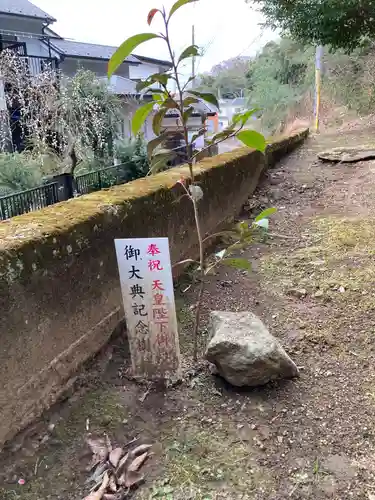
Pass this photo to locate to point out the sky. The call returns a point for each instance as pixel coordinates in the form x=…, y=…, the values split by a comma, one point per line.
x=224, y=29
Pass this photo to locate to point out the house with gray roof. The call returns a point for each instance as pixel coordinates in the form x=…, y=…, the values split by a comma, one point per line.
x=26, y=29
x=24, y=8
x=74, y=55
x=22, y=29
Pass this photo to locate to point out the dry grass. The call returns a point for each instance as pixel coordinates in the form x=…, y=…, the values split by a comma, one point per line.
x=205, y=460
x=340, y=254
x=206, y=447
x=336, y=269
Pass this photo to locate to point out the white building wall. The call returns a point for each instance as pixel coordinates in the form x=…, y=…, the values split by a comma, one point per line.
x=36, y=48
x=143, y=71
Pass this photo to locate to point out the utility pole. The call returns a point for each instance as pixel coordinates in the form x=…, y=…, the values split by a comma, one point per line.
x=318, y=83
x=193, y=59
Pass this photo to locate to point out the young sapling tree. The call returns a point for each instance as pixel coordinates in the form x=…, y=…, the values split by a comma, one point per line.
x=185, y=101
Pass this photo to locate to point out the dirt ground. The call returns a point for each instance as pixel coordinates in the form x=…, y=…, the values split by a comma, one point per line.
x=311, y=438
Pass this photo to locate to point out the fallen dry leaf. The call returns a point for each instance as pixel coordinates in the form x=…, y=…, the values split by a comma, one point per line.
x=112, y=484
x=137, y=462
x=133, y=478
x=121, y=464
x=98, y=495
x=115, y=456
x=99, y=449
x=115, y=473
x=121, y=480
x=129, y=443
x=98, y=473
x=139, y=450
x=95, y=495
x=144, y=396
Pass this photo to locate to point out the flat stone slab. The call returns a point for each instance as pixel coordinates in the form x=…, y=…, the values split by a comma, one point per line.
x=348, y=155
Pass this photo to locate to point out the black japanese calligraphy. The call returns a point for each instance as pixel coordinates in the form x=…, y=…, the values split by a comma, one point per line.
x=131, y=253
x=134, y=273
x=139, y=310
x=142, y=328
x=137, y=290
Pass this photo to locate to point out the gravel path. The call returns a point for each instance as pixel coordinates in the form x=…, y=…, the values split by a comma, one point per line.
x=311, y=438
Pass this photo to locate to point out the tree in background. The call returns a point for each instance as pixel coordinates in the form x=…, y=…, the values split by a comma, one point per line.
x=228, y=79
x=280, y=81
x=276, y=80
x=342, y=24
x=88, y=116
x=280, y=77
x=60, y=117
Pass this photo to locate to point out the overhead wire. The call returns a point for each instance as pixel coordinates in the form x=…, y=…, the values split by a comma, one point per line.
x=255, y=40
x=212, y=40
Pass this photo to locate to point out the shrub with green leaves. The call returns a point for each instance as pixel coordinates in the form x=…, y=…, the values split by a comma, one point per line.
x=19, y=171
x=133, y=154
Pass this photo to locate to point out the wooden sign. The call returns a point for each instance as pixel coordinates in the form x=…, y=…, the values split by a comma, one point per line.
x=148, y=296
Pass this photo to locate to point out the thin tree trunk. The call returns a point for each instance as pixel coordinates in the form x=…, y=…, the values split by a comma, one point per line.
x=74, y=160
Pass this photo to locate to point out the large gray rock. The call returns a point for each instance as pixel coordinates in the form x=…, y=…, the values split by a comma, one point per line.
x=244, y=352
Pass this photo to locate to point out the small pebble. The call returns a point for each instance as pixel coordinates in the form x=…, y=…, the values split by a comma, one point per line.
x=44, y=439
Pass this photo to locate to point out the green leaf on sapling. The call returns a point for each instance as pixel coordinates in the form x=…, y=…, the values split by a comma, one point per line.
x=179, y=4
x=263, y=223
x=265, y=214
x=205, y=96
x=191, y=51
x=158, y=119
x=125, y=50
x=252, y=139
x=140, y=116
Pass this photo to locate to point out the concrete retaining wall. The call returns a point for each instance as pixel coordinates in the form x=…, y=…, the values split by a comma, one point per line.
x=59, y=292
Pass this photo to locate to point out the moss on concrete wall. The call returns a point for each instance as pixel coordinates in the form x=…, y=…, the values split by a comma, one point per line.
x=59, y=288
